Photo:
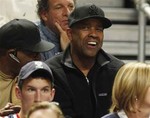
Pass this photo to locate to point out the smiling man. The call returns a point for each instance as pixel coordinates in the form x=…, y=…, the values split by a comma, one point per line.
x=84, y=73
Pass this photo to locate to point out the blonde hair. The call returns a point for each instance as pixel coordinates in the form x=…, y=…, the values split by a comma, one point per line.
x=131, y=83
x=46, y=105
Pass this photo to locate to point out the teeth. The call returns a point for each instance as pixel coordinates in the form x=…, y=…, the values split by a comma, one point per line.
x=92, y=43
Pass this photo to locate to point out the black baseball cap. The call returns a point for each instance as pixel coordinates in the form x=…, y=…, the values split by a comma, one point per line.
x=88, y=11
x=35, y=66
x=23, y=34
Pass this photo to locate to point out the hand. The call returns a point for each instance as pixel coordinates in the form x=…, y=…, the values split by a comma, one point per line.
x=9, y=109
x=64, y=39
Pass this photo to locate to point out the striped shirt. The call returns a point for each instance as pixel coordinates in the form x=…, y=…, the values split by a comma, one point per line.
x=11, y=116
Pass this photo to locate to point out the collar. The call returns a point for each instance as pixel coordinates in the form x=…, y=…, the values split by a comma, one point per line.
x=122, y=114
x=48, y=32
x=102, y=58
x=5, y=77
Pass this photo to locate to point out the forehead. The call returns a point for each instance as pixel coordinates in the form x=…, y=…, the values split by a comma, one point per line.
x=56, y=2
x=94, y=21
x=37, y=81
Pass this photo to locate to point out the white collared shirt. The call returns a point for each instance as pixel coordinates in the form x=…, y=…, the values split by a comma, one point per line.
x=122, y=114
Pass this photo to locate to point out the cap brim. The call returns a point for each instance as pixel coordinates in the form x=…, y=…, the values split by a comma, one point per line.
x=106, y=22
x=30, y=72
x=42, y=46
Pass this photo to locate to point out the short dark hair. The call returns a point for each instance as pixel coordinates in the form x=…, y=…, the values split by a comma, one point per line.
x=42, y=5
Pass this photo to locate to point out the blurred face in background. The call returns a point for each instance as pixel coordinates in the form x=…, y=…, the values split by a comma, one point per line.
x=21, y=57
x=58, y=11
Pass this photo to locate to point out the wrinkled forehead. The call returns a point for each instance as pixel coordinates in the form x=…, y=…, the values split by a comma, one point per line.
x=61, y=2
x=89, y=21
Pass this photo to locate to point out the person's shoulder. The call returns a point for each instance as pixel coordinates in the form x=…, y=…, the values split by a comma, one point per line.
x=114, y=61
x=38, y=23
x=111, y=115
x=113, y=58
x=55, y=61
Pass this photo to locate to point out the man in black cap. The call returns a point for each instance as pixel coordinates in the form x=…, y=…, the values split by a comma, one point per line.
x=35, y=84
x=19, y=43
x=84, y=73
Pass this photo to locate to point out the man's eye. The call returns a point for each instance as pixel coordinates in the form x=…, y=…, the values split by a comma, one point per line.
x=100, y=29
x=71, y=7
x=45, y=90
x=85, y=27
x=30, y=89
x=58, y=7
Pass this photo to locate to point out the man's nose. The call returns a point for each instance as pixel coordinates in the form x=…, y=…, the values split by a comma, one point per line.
x=38, y=96
x=66, y=11
x=93, y=32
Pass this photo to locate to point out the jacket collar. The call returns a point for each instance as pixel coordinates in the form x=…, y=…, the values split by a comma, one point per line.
x=102, y=58
x=47, y=32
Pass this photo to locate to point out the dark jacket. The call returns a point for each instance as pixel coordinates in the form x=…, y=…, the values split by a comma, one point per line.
x=80, y=96
x=111, y=115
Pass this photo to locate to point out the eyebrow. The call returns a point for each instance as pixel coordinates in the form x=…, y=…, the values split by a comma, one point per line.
x=30, y=86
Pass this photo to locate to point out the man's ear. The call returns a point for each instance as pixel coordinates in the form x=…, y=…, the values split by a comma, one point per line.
x=43, y=15
x=69, y=33
x=52, y=94
x=18, y=92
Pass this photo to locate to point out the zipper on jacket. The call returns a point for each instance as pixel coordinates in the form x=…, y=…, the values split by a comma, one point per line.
x=87, y=79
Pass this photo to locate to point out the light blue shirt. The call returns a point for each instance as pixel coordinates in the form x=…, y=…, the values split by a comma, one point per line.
x=50, y=36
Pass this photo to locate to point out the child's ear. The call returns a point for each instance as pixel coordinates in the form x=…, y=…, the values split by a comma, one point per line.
x=52, y=94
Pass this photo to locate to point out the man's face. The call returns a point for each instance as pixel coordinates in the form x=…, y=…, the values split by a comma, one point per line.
x=86, y=37
x=23, y=57
x=34, y=90
x=58, y=12
x=27, y=56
